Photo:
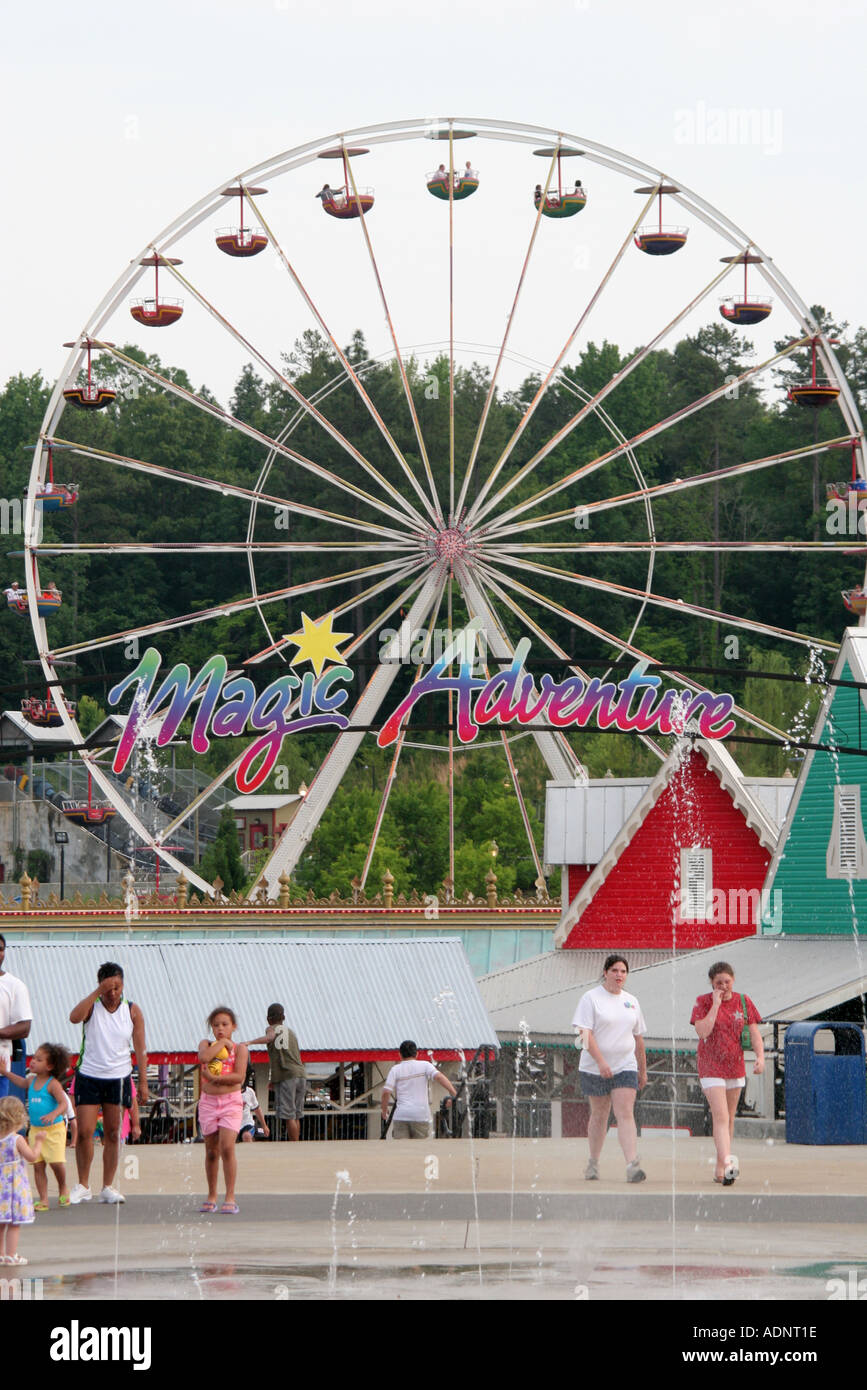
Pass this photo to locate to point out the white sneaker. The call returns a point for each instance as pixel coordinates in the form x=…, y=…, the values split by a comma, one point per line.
x=79, y=1193
x=111, y=1195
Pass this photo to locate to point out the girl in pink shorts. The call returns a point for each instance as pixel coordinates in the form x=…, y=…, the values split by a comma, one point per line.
x=223, y=1067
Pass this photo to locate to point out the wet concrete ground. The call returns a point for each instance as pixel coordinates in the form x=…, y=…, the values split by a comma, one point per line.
x=450, y=1220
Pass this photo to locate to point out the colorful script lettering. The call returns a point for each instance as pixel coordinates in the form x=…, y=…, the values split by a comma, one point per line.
x=513, y=696
x=229, y=708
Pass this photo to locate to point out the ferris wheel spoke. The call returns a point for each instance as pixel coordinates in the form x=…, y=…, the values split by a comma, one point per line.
x=355, y=645
x=516, y=785
x=548, y=641
x=499, y=526
x=554, y=747
x=590, y=405
x=325, y=474
x=350, y=371
x=216, y=548
x=246, y=494
x=552, y=372
x=610, y=639
x=452, y=517
x=226, y=610
x=496, y=372
x=154, y=843
x=398, y=749
x=678, y=605
x=644, y=494
x=678, y=547
x=298, y=396
x=362, y=222
x=396, y=577
x=297, y=835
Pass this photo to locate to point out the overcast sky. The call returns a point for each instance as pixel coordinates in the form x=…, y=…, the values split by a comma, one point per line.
x=117, y=117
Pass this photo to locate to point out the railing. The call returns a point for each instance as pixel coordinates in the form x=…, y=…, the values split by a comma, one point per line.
x=443, y=177
x=339, y=196
x=243, y=235
x=153, y=306
x=661, y=231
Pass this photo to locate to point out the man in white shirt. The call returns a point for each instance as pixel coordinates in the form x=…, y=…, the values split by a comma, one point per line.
x=16, y=1014
x=408, y=1082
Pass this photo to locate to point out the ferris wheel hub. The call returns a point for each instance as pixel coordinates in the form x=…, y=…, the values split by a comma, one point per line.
x=450, y=543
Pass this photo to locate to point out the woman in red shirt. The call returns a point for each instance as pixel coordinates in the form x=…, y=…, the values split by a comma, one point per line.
x=719, y=1021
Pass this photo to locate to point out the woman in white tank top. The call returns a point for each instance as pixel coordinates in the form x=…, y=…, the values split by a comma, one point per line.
x=111, y=1026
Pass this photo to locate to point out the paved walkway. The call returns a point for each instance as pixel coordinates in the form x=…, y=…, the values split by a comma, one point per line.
x=447, y=1219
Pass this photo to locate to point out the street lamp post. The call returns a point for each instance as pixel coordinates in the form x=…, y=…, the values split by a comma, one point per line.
x=61, y=838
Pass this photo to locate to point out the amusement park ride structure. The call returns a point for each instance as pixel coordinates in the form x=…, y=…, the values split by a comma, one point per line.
x=472, y=535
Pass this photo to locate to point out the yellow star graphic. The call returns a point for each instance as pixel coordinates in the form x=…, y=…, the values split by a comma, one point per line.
x=317, y=642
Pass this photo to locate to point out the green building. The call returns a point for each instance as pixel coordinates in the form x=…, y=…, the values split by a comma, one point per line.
x=817, y=879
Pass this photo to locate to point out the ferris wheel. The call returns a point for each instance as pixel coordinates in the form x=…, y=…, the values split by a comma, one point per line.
x=476, y=259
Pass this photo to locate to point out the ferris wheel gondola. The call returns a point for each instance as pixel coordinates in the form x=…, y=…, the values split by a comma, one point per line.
x=349, y=201
x=564, y=202
x=660, y=241
x=818, y=392
x=157, y=311
x=89, y=395
x=242, y=241
x=746, y=309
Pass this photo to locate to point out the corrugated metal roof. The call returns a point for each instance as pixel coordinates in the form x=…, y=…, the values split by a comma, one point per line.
x=265, y=802
x=788, y=979
x=339, y=996
x=583, y=820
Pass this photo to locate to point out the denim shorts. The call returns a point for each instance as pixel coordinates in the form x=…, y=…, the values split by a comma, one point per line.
x=593, y=1085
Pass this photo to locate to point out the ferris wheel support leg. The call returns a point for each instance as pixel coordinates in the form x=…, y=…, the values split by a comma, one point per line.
x=559, y=758
x=296, y=836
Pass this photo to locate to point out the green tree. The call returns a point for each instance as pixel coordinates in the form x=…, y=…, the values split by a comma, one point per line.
x=223, y=858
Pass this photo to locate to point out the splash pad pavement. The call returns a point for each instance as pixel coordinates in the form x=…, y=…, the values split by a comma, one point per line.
x=497, y=1219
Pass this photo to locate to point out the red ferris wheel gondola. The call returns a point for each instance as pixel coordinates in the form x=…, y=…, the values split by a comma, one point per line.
x=348, y=201
x=748, y=308
x=241, y=240
x=660, y=241
x=90, y=396
x=157, y=312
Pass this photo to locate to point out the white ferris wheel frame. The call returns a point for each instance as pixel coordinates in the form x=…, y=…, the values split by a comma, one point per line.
x=478, y=583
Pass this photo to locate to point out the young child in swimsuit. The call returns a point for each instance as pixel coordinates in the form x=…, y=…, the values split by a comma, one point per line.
x=46, y=1110
x=223, y=1068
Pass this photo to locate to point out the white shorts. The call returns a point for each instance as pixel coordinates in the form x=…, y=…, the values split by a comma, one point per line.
x=733, y=1083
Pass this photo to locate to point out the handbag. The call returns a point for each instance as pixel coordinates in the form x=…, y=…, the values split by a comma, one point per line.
x=746, y=1042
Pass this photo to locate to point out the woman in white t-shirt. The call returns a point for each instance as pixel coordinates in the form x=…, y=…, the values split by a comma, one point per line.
x=613, y=1066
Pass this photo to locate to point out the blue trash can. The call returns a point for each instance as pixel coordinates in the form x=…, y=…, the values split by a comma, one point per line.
x=826, y=1092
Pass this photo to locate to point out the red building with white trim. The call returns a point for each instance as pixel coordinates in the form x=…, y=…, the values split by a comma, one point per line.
x=686, y=866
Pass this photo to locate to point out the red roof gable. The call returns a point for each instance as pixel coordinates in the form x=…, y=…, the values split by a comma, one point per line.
x=633, y=896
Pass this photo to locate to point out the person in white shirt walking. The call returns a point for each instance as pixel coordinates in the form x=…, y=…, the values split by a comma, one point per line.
x=613, y=1066
x=408, y=1082
x=111, y=1027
